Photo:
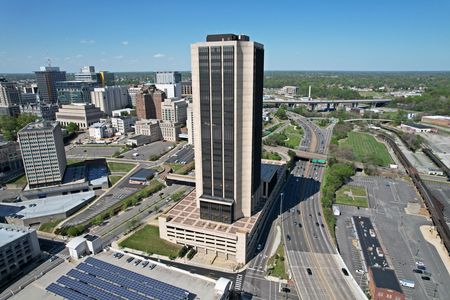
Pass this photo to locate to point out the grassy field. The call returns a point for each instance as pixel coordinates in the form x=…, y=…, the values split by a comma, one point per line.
x=322, y=122
x=22, y=180
x=113, y=179
x=367, y=149
x=271, y=155
x=182, y=169
x=147, y=240
x=293, y=134
x=352, y=195
x=49, y=226
x=276, y=264
x=120, y=167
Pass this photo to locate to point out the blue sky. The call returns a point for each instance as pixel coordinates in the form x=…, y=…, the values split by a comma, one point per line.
x=155, y=35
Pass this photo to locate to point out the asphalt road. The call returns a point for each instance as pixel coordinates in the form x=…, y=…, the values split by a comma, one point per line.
x=315, y=265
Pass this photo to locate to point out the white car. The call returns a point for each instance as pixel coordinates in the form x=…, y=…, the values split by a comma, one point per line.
x=259, y=247
x=359, y=271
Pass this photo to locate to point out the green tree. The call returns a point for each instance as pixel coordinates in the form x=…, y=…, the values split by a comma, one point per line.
x=72, y=127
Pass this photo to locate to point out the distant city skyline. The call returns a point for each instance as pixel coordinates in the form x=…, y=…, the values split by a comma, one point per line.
x=143, y=36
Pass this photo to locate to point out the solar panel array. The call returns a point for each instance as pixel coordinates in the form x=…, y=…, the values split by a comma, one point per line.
x=96, y=279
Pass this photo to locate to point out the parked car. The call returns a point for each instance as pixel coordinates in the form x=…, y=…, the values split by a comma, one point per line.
x=130, y=259
x=144, y=264
x=137, y=262
x=308, y=270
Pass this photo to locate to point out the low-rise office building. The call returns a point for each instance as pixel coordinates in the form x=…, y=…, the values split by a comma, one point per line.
x=123, y=112
x=171, y=90
x=100, y=131
x=170, y=130
x=384, y=285
x=84, y=115
x=18, y=247
x=149, y=128
x=46, y=111
x=123, y=125
x=70, y=92
x=443, y=121
x=139, y=140
x=10, y=160
x=418, y=128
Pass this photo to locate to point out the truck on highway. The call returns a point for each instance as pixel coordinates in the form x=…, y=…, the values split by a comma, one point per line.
x=407, y=283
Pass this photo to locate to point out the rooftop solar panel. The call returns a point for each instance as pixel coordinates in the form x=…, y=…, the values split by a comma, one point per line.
x=123, y=281
x=104, y=285
x=172, y=291
x=65, y=292
x=89, y=291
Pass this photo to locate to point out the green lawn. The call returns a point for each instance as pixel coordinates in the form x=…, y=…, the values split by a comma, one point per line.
x=49, y=226
x=367, y=149
x=271, y=155
x=147, y=240
x=113, y=179
x=120, y=167
x=293, y=135
x=352, y=195
x=276, y=264
x=182, y=169
x=22, y=180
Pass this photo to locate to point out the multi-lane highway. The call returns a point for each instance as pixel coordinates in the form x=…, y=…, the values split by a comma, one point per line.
x=314, y=263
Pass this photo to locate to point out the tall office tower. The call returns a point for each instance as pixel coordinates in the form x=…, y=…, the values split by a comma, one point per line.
x=87, y=73
x=105, y=78
x=110, y=98
x=168, y=77
x=148, y=103
x=190, y=123
x=43, y=154
x=46, y=79
x=9, y=98
x=227, y=86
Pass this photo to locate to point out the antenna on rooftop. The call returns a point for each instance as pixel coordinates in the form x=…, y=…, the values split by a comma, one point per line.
x=49, y=62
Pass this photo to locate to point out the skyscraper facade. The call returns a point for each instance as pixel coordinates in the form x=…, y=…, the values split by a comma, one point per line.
x=227, y=87
x=43, y=154
x=46, y=79
x=168, y=77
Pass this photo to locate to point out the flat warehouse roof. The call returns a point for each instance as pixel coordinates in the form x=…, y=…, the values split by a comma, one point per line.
x=386, y=279
x=9, y=233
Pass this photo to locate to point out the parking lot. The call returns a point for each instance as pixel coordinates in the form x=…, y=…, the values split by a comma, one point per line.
x=399, y=235
x=183, y=156
x=144, y=153
x=92, y=151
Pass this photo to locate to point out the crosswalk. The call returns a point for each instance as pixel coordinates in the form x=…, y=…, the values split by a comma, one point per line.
x=238, y=283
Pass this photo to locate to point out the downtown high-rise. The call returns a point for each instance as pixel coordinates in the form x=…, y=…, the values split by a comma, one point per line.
x=46, y=79
x=227, y=86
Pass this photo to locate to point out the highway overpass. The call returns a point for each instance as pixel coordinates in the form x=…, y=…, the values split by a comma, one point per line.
x=298, y=153
x=313, y=103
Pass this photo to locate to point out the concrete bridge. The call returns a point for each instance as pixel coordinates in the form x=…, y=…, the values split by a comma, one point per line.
x=313, y=103
x=180, y=179
x=283, y=151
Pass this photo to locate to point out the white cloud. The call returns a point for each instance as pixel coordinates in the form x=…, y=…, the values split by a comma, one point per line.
x=68, y=58
x=103, y=60
x=159, y=55
x=118, y=57
x=125, y=43
x=79, y=56
x=87, y=41
x=29, y=57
